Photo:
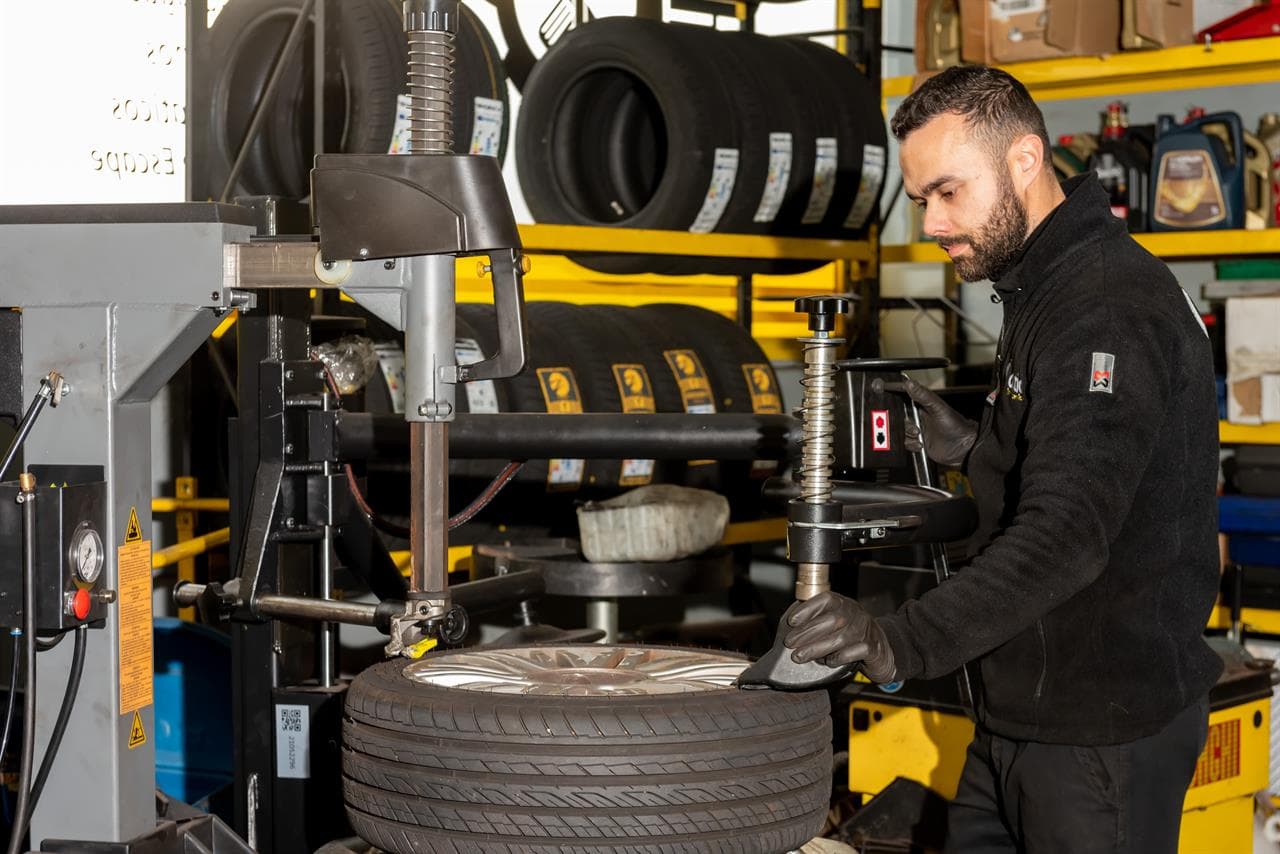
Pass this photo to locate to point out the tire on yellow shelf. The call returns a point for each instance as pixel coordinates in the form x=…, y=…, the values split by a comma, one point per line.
x=605, y=749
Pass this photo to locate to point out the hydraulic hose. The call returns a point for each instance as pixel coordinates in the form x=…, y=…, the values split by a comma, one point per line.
x=64, y=716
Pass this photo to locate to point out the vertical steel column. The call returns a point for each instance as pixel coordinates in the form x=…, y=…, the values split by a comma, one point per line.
x=429, y=320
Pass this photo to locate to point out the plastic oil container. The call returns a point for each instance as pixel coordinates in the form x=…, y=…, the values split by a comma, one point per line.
x=1197, y=180
x=1122, y=166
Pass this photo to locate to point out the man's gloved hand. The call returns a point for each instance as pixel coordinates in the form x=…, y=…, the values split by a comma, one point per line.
x=839, y=631
x=948, y=435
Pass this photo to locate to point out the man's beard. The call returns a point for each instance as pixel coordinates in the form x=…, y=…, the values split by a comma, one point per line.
x=997, y=242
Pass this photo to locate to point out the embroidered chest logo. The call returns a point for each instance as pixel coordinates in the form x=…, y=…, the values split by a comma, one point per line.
x=1013, y=385
x=1102, y=377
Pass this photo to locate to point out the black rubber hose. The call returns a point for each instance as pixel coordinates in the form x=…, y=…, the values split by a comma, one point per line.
x=21, y=813
x=15, y=667
x=64, y=716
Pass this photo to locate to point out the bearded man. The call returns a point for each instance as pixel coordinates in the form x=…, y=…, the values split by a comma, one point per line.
x=1094, y=467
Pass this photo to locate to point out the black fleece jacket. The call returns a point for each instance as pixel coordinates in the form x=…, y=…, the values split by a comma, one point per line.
x=1095, y=565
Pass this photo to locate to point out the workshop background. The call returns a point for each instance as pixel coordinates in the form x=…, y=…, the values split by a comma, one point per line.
x=134, y=101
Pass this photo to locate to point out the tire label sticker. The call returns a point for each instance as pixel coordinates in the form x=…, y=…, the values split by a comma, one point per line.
x=486, y=127
x=482, y=395
x=775, y=184
x=724, y=172
x=824, y=179
x=133, y=575
x=695, y=388
x=391, y=363
x=293, y=742
x=560, y=393
x=400, y=130
x=868, y=188
x=636, y=393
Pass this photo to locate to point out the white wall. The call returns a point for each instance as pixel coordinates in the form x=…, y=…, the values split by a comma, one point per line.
x=92, y=101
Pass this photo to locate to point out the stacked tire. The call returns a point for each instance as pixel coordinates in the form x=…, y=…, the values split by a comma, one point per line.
x=366, y=73
x=655, y=358
x=634, y=123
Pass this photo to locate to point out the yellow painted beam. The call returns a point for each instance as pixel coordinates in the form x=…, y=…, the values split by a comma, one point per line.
x=566, y=239
x=761, y=531
x=1248, y=434
x=164, y=504
x=189, y=548
x=1232, y=63
x=1169, y=245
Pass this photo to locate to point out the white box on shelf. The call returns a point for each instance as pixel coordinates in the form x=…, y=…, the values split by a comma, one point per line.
x=1253, y=359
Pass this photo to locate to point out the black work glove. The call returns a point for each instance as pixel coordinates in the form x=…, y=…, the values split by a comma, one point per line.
x=839, y=631
x=948, y=435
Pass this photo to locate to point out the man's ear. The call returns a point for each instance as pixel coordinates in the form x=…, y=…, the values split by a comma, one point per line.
x=1026, y=160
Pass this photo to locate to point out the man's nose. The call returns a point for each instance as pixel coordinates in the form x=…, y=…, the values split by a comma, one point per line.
x=935, y=222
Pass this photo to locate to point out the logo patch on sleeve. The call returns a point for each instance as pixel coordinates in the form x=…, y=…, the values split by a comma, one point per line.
x=1103, y=376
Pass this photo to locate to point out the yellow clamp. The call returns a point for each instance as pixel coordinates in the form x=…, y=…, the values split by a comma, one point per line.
x=419, y=649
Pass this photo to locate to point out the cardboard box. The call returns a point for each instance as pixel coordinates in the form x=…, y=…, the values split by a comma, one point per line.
x=1157, y=23
x=1253, y=359
x=1003, y=31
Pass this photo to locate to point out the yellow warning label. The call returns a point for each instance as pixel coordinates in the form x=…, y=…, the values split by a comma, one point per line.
x=560, y=390
x=133, y=533
x=695, y=388
x=1220, y=758
x=560, y=393
x=137, y=735
x=764, y=390
x=133, y=562
x=636, y=393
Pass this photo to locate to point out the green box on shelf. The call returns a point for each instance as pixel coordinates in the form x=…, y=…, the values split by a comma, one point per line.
x=1249, y=268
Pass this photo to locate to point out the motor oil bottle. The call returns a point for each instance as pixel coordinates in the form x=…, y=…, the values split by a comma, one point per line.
x=1121, y=165
x=1198, y=182
x=1258, y=213
x=1269, y=135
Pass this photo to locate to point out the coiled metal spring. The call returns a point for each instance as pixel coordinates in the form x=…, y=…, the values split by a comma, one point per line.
x=818, y=419
x=431, y=58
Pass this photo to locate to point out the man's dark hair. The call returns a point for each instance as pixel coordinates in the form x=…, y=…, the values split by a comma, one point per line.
x=995, y=106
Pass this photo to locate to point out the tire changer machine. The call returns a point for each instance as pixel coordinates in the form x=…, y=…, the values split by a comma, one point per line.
x=116, y=298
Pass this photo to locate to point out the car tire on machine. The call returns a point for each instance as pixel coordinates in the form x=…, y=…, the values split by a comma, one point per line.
x=565, y=766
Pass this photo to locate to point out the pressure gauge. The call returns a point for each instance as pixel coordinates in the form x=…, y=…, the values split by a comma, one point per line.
x=86, y=553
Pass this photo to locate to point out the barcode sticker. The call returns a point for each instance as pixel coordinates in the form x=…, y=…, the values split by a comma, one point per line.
x=824, y=179
x=775, y=184
x=486, y=127
x=1003, y=10
x=293, y=743
x=869, y=189
x=724, y=173
x=482, y=395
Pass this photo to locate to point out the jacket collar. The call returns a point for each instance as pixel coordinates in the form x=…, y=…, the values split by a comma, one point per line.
x=1081, y=218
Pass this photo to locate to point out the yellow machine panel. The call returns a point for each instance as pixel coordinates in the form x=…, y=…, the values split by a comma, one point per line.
x=891, y=739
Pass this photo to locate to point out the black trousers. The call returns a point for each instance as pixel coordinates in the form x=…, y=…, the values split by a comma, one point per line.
x=1020, y=797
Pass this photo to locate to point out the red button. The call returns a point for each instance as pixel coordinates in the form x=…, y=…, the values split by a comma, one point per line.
x=80, y=604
